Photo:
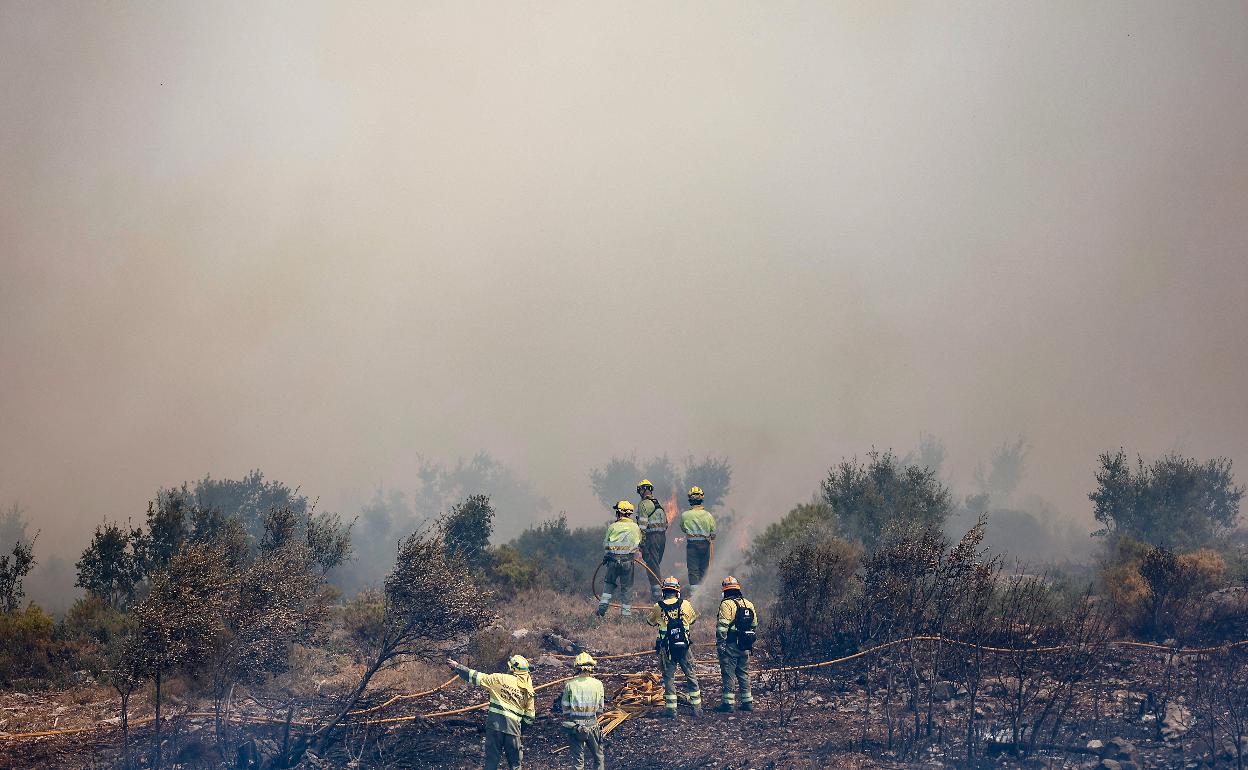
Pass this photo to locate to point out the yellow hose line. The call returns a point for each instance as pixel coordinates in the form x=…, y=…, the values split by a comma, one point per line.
x=802, y=667
x=407, y=696
x=593, y=581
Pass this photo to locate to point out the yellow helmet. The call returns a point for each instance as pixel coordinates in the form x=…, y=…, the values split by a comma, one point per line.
x=624, y=508
x=518, y=663
x=585, y=660
x=695, y=493
x=643, y=484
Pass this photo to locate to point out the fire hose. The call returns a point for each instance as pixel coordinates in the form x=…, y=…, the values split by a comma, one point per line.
x=640, y=694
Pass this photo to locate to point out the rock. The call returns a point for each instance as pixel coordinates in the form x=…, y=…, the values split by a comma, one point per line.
x=1119, y=748
x=1178, y=720
x=562, y=644
x=519, y=633
x=1096, y=745
x=1110, y=764
x=552, y=661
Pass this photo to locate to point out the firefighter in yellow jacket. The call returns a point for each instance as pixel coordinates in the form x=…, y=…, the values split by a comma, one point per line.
x=734, y=638
x=581, y=704
x=674, y=616
x=621, y=544
x=699, y=527
x=511, y=709
x=652, y=520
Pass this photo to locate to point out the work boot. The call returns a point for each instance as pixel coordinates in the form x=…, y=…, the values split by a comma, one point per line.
x=747, y=706
x=725, y=708
x=626, y=611
x=668, y=714
x=602, y=610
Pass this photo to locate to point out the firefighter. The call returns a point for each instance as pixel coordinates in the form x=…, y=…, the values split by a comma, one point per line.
x=621, y=544
x=653, y=522
x=673, y=617
x=734, y=638
x=581, y=704
x=511, y=709
x=699, y=528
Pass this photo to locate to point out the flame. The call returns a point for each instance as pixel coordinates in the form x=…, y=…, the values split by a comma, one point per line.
x=670, y=509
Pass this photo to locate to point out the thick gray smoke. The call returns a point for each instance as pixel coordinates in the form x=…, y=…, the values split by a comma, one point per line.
x=328, y=241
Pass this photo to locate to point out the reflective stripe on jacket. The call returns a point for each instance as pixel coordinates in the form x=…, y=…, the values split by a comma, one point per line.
x=583, y=698
x=651, y=516
x=511, y=699
x=623, y=537
x=658, y=615
x=698, y=524
x=728, y=616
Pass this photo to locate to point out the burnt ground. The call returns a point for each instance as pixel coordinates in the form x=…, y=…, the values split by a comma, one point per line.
x=823, y=730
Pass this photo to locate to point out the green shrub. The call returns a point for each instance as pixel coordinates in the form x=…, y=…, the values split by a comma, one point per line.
x=563, y=559
x=29, y=652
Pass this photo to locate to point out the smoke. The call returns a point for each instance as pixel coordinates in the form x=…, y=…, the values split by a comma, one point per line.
x=328, y=242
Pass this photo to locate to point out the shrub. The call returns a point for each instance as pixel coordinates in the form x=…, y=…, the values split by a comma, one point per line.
x=563, y=559
x=1176, y=501
x=805, y=523
x=815, y=581
x=28, y=649
x=1158, y=593
x=869, y=498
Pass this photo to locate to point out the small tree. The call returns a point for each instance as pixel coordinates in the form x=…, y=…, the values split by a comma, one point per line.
x=1176, y=501
x=278, y=601
x=110, y=567
x=467, y=528
x=807, y=522
x=13, y=570
x=429, y=599
x=868, y=498
x=178, y=621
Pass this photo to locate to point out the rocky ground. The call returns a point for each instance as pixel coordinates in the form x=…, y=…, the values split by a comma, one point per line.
x=816, y=726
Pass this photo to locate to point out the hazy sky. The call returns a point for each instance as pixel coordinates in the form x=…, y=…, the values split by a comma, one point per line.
x=321, y=240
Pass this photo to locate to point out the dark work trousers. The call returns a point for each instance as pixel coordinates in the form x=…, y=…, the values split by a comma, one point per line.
x=500, y=746
x=698, y=558
x=619, y=581
x=585, y=743
x=652, y=548
x=734, y=672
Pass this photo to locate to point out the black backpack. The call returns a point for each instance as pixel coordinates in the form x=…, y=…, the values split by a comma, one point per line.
x=743, y=634
x=677, y=637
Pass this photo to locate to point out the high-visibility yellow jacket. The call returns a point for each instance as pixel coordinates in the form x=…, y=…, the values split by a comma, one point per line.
x=698, y=524
x=650, y=516
x=658, y=615
x=623, y=537
x=511, y=699
x=583, y=698
x=728, y=616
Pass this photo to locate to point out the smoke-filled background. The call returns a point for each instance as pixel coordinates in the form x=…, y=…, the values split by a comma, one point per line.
x=339, y=242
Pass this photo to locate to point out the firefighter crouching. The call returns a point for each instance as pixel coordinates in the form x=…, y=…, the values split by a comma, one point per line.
x=734, y=638
x=621, y=544
x=581, y=704
x=674, y=616
x=511, y=709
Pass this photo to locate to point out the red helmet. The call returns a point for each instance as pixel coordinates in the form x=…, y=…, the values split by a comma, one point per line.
x=671, y=584
x=730, y=584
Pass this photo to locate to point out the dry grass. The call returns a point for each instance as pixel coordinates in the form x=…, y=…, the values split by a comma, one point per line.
x=572, y=617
